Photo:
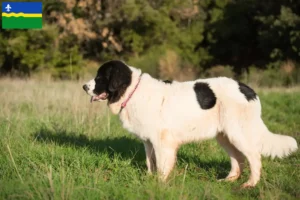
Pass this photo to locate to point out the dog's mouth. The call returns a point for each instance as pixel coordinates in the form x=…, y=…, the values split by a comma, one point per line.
x=103, y=96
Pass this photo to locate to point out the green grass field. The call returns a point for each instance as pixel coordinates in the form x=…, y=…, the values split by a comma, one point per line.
x=54, y=144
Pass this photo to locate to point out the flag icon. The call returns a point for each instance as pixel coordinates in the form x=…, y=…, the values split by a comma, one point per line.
x=22, y=15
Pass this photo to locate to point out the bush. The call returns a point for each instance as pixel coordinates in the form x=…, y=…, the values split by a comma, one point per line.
x=32, y=51
x=220, y=70
x=277, y=74
x=201, y=35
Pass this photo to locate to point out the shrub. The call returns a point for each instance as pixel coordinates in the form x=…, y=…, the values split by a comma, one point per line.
x=220, y=70
x=277, y=74
x=27, y=52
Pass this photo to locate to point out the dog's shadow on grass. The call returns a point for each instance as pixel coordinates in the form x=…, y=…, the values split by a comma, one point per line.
x=220, y=168
x=126, y=147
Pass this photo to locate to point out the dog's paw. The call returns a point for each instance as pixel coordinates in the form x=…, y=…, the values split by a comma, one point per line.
x=248, y=184
x=229, y=179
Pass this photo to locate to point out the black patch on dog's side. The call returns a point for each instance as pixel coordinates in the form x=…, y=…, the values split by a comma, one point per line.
x=113, y=77
x=167, y=81
x=205, y=96
x=247, y=91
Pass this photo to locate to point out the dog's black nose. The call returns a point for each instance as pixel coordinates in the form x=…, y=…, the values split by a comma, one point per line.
x=85, y=87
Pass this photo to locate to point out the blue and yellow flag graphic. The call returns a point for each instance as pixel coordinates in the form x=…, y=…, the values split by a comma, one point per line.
x=22, y=15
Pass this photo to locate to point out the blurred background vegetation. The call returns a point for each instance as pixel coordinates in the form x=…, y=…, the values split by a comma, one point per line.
x=256, y=41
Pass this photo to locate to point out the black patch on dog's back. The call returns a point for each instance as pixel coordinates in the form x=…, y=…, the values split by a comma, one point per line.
x=167, y=81
x=247, y=91
x=205, y=96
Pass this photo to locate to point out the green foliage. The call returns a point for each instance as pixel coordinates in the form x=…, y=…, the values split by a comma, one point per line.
x=251, y=32
x=277, y=74
x=203, y=34
x=149, y=61
x=279, y=34
x=36, y=50
x=150, y=28
x=219, y=71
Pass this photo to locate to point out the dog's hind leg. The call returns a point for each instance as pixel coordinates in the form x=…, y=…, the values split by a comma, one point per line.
x=150, y=156
x=236, y=157
x=237, y=137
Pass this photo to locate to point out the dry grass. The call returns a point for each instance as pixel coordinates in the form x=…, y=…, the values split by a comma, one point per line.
x=48, y=99
x=46, y=93
x=278, y=89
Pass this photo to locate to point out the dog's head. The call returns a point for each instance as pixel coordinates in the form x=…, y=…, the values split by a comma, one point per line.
x=110, y=83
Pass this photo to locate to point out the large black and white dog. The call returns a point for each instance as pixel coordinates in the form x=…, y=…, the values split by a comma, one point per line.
x=166, y=115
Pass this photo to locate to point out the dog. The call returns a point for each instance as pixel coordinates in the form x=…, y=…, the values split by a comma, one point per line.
x=165, y=115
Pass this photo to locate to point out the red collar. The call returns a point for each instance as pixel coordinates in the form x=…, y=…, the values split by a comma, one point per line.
x=123, y=105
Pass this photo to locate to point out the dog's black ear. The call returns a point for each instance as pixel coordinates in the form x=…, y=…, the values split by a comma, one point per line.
x=120, y=77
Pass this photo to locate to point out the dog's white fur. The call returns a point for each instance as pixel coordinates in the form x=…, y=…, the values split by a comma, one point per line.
x=165, y=116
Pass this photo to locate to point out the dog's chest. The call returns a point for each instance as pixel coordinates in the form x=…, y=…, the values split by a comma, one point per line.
x=136, y=124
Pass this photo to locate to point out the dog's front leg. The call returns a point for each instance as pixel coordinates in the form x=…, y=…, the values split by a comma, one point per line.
x=165, y=147
x=165, y=160
x=150, y=156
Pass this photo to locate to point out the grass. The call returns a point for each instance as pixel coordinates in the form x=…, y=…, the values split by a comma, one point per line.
x=54, y=144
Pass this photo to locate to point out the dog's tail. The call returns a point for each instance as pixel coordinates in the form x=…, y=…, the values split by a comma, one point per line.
x=276, y=145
